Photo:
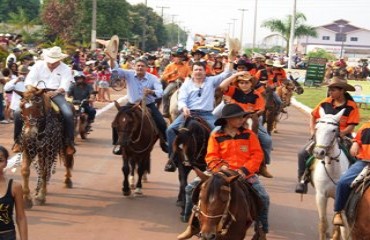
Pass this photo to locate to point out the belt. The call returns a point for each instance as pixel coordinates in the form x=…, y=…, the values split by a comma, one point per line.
x=7, y=231
x=200, y=111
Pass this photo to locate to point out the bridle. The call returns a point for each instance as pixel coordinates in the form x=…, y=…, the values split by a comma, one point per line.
x=223, y=225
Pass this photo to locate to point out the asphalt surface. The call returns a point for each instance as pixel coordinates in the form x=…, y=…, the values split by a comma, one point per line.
x=95, y=208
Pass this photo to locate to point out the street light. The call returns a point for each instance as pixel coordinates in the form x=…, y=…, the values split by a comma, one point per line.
x=342, y=39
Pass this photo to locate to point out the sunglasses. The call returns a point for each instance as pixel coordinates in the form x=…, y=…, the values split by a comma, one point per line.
x=200, y=92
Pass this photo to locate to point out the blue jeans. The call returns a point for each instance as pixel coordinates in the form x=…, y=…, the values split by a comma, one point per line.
x=344, y=185
x=180, y=120
x=277, y=100
x=8, y=235
x=188, y=196
x=68, y=119
x=263, y=217
x=265, y=141
x=91, y=112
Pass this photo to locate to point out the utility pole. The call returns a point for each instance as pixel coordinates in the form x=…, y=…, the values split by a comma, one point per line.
x=172, y=27
x=144, y=27
x=292, y=31
x=178, y=32
x=229, y=28
x=234, y=19
x=255, y=25
x=162, y=7
x=93, y=30
x=241, y=25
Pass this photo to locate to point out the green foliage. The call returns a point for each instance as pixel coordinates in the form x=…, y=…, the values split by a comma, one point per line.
x=322, y=53
x=31, y=8
x=3, y=55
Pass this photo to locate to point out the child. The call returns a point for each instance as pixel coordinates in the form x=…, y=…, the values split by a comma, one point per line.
x=12, y=196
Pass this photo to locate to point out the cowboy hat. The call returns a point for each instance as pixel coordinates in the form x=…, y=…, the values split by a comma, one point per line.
x=53, y=55
x=245, y=77
x=112, y=46
x=269, y=62
x=277, y=64
x=198, y=51
x=340, y=83
x=230, y=111
x=23, y=69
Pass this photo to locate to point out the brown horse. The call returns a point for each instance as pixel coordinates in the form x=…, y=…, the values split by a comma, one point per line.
x=42, y=137
x=271, y=110
x=137, y=135
x=360, y=229
x=226, y=208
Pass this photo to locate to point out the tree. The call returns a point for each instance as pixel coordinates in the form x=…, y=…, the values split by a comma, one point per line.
x=31, y=8
x=321, y=53
x=282, y=27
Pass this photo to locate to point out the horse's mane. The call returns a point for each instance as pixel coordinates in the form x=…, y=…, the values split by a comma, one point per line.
x=214, y=186
x=38, y=92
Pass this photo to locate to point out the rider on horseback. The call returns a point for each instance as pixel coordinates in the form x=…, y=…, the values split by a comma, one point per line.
x=236, y=148
x=54, y=76
x=196, y=97
x=361, y=149
x=337, y=101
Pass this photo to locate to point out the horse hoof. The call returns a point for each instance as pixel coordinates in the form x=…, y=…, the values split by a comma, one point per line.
x=179, y=203
x=28, y=204
x=126, y=193
x=276, y=131
x=68, y=183
x=39, y=202
x=138, y=192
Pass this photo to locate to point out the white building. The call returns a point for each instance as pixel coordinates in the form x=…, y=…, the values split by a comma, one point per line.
x=340, y=38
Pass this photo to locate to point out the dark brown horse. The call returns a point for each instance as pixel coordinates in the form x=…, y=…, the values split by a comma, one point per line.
x=189, y=151
x=226, y=208
x=137, y=135
x=271, y=110
x=42, y=137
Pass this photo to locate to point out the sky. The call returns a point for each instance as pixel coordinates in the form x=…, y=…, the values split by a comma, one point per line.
x=212, y=16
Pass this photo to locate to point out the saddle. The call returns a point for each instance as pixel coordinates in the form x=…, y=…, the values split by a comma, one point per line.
x=359, y=185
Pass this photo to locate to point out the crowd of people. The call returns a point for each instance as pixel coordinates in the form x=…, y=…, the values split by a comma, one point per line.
x=152, y=76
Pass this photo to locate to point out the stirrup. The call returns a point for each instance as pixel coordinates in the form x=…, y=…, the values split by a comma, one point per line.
x=301, y=188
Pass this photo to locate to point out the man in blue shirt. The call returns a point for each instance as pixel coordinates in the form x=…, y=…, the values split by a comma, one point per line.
x=196, y=96
x=142, y=85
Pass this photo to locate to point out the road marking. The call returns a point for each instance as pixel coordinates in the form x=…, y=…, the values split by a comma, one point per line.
x=110, y=105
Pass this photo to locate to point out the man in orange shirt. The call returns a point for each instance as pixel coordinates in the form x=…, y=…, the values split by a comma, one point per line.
x=177, y=70
x=236, y=148
x=361, y=149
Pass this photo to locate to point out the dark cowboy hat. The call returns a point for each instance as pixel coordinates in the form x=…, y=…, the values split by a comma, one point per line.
x=229, y=111
x=198, y=51
x=152, y=57
x=241, y=62
x=340, y=83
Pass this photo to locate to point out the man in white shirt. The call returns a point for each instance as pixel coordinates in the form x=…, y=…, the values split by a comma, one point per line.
x=55, y=76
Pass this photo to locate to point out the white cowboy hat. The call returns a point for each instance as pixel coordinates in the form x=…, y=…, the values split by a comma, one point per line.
x=277, y=64
x=53, y=55
x=112, y=46
x=90, y=62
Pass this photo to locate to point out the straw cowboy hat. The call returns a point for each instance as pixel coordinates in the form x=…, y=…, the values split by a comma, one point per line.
x=340, y=83
x=230, y=111
x=269, y=62
x=277, y=64
x=111, y=46
x=53, y=55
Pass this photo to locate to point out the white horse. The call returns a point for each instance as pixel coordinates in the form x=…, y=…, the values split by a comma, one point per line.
x=329, y=164
x=174, y=112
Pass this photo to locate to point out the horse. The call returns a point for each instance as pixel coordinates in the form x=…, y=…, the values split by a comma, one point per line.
x=360, y=227
x=42, y=137
x=226, y=207
x=189, y=151
x=271, y=110
x=330, y=162
x=137, y=135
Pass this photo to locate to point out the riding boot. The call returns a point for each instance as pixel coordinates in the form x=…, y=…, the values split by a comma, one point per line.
x=259, y=234
x=192, y=228
x=301, y=186
x=263, y=171
x=337, y=220
x=163, y=143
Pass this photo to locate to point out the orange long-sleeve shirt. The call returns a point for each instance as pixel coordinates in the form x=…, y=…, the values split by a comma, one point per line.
x=243, y=151
x=250, y=102
x=175, y=71
x=363, y=139
x=351, y=115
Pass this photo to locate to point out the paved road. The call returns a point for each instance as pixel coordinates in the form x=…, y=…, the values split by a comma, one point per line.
x=95, y=208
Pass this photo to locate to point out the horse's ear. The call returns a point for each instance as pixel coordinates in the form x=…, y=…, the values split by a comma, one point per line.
x=201, y=175
x=339, y=115
x=321, y=112
x=116, y=104
x=176, y=131
x=231, y=179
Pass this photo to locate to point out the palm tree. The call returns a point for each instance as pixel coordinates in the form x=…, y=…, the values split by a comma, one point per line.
x=282, y=28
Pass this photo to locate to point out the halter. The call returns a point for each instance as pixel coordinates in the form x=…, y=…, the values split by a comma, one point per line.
x=223, y=225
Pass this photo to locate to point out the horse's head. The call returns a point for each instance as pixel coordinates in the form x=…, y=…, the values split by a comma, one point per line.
x=127, y=123
x=287, y=92
x=214, y=205
x=34, y=106
x=190, y=144
x=327, y=131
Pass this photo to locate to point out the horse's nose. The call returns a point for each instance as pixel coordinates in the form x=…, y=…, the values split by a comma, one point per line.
x=208, y=236
x=319, y=153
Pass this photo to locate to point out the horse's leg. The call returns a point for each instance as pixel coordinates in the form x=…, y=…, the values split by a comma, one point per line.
x=183, y=178
x=26, y=162
x=126, y=171
x=68, y=175
x=132, y=173
x=321, y=202
x=140, y=172
x=40, y=197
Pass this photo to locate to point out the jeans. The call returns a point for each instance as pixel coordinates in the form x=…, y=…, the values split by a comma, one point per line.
x=68, y=119
x=1, y=106
x=158, y=119
x=188, y=196
x=344, y=185
x=91, y=112
x=277, y=100
x=180, y=120
x=8, y=235
x=166, y=96
x=263, y=217
x=265, y=141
